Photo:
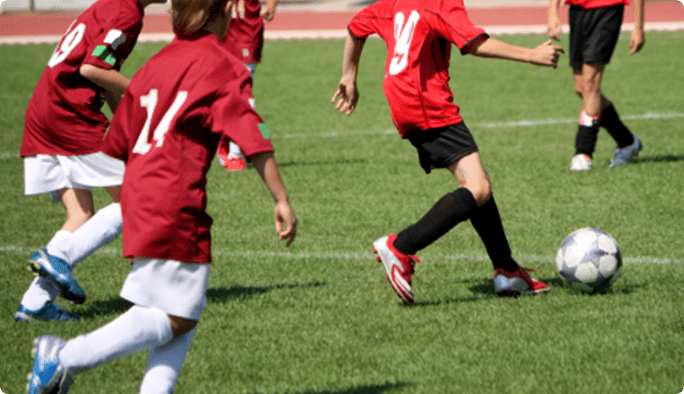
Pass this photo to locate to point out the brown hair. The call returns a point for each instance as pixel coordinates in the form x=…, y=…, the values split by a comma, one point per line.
x=189, y=16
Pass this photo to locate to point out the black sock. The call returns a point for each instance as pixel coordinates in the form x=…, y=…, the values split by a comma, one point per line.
x=487, y=223
x=585, y=142
x=610, y=120
x=450, y=210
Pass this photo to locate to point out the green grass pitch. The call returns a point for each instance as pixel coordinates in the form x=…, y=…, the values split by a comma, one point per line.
x=320, y=317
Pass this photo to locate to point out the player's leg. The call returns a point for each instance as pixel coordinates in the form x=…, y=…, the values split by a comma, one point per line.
x=437, y=148
x=49, y=264
x=588, y=87
x=628, y=144
x=164, y=364
x=168, y=297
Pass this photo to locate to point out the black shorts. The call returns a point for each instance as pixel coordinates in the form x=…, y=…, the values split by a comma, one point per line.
x=594, y=34
x=438, y=148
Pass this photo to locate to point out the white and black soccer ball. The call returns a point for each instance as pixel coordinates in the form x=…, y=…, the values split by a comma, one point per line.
x=589, y=260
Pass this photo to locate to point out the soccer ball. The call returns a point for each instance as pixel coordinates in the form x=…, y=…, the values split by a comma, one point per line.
x=589, y=260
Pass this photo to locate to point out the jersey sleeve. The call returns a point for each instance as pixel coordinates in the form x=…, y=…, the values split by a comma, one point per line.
x=452, y=23
x=232, y=114
x=369, y=21
x=110, y=48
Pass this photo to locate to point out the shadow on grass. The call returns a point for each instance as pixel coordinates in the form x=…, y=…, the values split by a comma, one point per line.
x=367, y=389
x=222, y=294
x=657, y=159
x=104, y=307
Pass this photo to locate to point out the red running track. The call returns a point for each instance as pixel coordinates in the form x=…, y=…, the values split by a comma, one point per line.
x=36, y=24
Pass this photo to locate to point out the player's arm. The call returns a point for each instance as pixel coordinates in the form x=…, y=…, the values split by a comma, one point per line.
x=285, y=219
x=545, y=54
x=268, y=12
x=111, y=80
x=553, y=26
x=346, y=92
x=637, y=40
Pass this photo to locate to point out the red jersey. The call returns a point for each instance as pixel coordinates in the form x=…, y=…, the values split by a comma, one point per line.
x=63, y=116
x=245, y=36
x=166, y=129
x=418, y=34
x=590, y=4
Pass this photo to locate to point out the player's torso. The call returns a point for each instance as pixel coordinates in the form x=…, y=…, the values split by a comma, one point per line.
x=64, y=114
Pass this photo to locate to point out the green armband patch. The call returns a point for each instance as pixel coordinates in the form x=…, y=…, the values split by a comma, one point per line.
x=264, y=131
x=101, y=52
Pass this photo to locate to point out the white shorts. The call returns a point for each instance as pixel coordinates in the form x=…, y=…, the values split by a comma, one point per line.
x=49, y=173
x=179, y=289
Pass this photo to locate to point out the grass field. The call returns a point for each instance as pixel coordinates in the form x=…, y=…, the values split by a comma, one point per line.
x=321, y=318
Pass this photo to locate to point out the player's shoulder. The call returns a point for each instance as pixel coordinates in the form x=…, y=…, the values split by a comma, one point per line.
x=118, y=13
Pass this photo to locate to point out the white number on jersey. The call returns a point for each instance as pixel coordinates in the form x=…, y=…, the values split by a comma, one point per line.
x=149, y=102
x=70, y=41
x=403, y=34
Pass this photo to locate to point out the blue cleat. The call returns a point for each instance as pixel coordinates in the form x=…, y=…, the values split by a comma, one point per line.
x=58, y=271
x=48, y=375
x=623, y=155
x=49, y=311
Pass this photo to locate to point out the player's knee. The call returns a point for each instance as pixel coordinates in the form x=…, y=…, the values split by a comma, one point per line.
x=181, y=325
x=482, y=191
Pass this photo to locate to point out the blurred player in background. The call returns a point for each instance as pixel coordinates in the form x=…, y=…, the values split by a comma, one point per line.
x=63, y=131
x=245, y=39
x=594, y=30
x=419, y=35
x=166, y=130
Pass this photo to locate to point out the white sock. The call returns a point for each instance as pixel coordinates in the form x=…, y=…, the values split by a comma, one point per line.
x=136, y=330
x=58, y=244
x=39, y=292
x=164, y=364
x=42, y=290
x=100, y=230
x=234, y=150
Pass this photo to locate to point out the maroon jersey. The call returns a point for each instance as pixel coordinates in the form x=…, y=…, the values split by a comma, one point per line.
x=245, y=36
x=166, y=129
x=589, y=4
x=63, y=116
x=418, y=34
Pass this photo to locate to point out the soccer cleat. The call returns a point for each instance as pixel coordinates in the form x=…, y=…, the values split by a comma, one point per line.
x=581, y=162
x=229, y=162
x=398, y=266
x=513, y=284
x=57, y=270
x=49, y=311
x=48, y=375
x=623, y=155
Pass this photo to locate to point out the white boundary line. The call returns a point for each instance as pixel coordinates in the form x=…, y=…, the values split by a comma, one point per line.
x=551, y=259
x=342, y=33
x=519, y=123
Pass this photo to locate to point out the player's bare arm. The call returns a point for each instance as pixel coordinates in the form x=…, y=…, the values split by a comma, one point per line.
x=347, y=92
x=285, y=219
x=545, y=54
x=553, y=26
x=109, y=79
x=637, y=40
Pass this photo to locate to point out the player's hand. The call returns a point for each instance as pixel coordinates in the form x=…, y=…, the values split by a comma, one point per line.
x=553, y=27
x=546, y=54
x=285, y=222
x=636, y=41
x=268, y=14
x=348, y=96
